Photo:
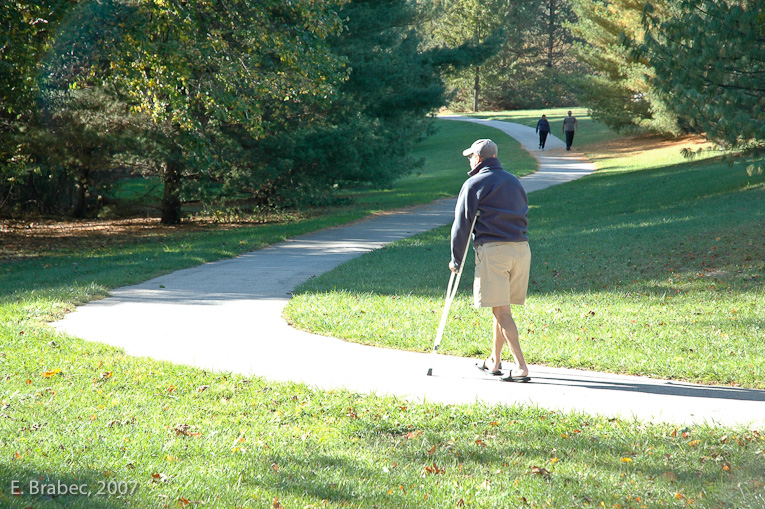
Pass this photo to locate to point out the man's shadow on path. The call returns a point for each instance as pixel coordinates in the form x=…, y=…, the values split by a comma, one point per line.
x=667, y=388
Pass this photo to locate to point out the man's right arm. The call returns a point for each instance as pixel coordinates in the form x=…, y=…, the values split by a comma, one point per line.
x=463, y=218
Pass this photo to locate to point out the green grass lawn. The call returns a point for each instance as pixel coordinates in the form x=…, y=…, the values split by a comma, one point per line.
x=444, y=167
x=651, y=266
x=141, y=433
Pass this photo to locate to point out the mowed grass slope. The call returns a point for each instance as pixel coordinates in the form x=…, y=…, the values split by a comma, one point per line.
x=139, y=433
x=651, y=266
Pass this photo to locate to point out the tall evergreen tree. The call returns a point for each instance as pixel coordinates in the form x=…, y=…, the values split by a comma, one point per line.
x=366, y=133
x=27, y=30
x=710, y=66
x=619, y=91
x=548, y=72
x=380, y=111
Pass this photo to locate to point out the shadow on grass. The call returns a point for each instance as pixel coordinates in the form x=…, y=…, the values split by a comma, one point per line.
x=23, y=487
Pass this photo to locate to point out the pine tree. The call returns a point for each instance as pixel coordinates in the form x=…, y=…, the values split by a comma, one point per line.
x=710, y=66
x=620, y=90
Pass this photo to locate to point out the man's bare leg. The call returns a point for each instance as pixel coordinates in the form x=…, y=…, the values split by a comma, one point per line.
x=495, y=361
x=506, y=330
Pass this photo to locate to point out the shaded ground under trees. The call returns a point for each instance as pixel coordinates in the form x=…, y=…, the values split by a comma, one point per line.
x=29, y=238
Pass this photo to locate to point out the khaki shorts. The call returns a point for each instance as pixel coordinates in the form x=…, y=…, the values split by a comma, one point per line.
x=501, y=274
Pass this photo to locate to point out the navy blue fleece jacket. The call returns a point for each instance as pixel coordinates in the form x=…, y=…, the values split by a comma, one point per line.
x=504, y=208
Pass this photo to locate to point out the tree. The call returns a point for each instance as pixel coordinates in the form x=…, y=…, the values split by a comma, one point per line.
x=201, y=69
x=491, y=25
x=546, y=72
x=710, y=66
x=365, y=134
x=381, y=110
x=619, y=91
x=526, y=63
x=26, y=32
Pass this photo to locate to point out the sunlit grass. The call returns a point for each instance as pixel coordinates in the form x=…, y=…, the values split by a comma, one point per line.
x=444, y=167
x=652, y=268
x=85, y=414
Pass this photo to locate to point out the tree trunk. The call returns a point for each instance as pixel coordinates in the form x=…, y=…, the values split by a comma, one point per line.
x=81, y=200
x=476, y=88
x=171, y=199
x=551, y=34
x=82, y=185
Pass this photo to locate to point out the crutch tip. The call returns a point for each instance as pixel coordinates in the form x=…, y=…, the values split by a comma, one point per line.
x=430, y=371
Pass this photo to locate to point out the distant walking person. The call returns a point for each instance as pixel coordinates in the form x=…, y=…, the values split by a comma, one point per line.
x=570, y=126
x=543, y=128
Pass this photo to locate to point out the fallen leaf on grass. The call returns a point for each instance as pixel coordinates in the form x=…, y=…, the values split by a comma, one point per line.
x=626, y=460
x=535, y=470
x=434, y=469
x=51, y=372
x=432, y=451
x=185, y=430
x=277, y=504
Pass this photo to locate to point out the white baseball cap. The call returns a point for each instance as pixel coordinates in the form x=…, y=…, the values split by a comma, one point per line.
x=484, y=148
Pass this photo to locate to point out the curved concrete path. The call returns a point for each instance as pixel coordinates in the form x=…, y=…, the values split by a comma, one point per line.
x=226, y=316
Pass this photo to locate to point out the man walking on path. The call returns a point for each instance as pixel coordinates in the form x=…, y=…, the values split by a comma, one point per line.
x=543, y=128
x=570, y=126
x=502, y=253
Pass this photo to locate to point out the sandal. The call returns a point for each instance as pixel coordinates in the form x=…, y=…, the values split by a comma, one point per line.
x=483, y=368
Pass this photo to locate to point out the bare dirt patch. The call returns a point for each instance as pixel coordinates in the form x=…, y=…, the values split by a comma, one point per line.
x=23, y=239
x=633, y=145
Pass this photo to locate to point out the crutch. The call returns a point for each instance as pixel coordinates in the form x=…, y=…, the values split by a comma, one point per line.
x=451, y=292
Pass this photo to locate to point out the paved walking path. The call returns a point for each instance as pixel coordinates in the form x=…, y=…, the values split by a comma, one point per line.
x=226, y=316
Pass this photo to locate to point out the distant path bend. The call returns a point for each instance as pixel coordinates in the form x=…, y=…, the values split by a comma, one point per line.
x=227, y=316
x=556, y=166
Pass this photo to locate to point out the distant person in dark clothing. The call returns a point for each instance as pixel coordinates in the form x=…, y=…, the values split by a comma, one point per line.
x=570, y=126
x=543, y=128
